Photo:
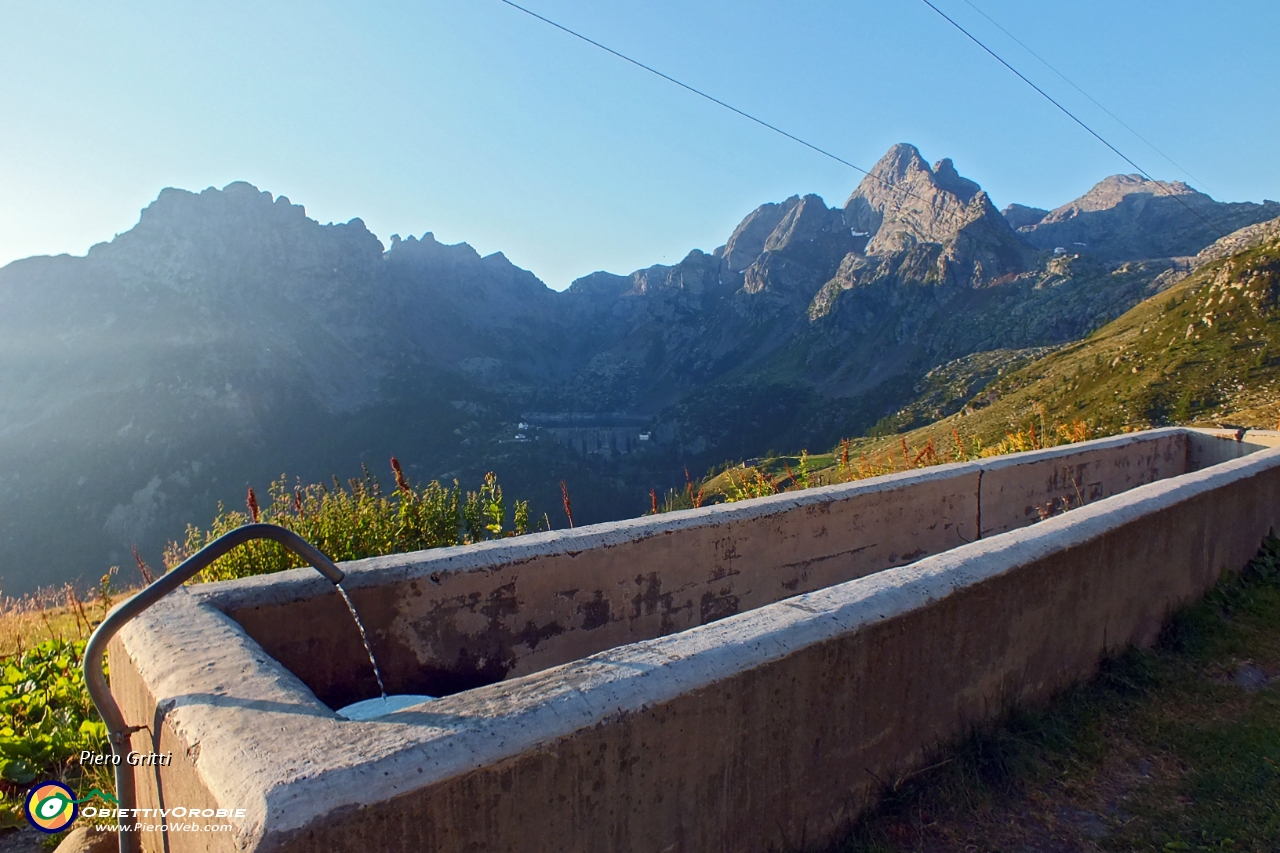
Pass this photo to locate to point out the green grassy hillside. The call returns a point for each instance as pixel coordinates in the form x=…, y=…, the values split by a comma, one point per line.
x=1205, y=351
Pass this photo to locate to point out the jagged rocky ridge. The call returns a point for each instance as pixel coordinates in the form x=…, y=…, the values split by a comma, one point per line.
x=1127, y=217
x=228, y=337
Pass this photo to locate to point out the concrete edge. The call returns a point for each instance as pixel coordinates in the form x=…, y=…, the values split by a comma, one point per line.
x=493, y=723
x=1014, y=460
x=298, y=584
x=321, y=764
x=1246, y=436
x=193, y=702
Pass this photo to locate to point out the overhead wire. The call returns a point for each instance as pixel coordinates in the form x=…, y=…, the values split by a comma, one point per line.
x=832, y=156
x=743, y=113
x=687, y=87
x=1091, y=99
x=1159, y=185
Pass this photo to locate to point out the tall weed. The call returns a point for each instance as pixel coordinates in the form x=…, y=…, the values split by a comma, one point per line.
x=355, y=521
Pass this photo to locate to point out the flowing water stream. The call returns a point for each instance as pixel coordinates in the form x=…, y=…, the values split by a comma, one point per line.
x=364, y=638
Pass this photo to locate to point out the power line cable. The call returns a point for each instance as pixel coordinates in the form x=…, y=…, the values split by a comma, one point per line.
x=731, y=108
x=1159, y=185
x=932, y=205
x=1092, y=100
x=687, y=87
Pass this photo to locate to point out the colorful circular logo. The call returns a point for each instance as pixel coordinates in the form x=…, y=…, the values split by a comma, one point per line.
x=51, y=806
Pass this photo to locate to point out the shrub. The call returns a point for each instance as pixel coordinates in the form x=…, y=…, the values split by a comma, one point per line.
x=356, y=521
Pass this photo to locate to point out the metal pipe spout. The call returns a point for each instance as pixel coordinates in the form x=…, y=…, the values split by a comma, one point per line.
x=118, y=729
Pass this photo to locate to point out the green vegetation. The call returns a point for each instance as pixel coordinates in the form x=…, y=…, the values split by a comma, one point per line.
x=46, y=719
x=850, y=462
x=1205, y=350
x=946, y=389
x=357, y=521
x=1163, y=751
x=1172, y=748
x=46, y=716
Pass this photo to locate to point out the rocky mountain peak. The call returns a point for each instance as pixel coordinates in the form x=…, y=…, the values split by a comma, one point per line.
x=239, y=200
x=1127, y=217
x=692, y=277
x=1111, y=191
x=946, y=177
x=748, y=239
x=788, y=248
x=900, y=163
x=221, y=233
x=246, y=339
x=902, y=200
x=805, y=220
x=599, y=285
x=428, y=248
x=984, y=247
x=1020, y=215
x=804, y=249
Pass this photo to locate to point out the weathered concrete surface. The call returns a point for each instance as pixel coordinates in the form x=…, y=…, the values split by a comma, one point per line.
x=1017, y=490
x=456, y=618
x=756, y=730
x=1208, y=447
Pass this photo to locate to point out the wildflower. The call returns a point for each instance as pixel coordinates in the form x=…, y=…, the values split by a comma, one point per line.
x=401, y=483
x=564, y=496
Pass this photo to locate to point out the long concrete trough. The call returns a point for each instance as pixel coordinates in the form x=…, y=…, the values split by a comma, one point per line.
x=732, y=678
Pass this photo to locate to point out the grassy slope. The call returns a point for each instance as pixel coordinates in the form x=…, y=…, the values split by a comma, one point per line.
x=1205, y=351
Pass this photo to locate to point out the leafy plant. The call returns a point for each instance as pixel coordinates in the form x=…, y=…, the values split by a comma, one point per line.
x=356, y=521
x=46, y=716
x=1266, y=566
x=46, y=720
x=757, y=482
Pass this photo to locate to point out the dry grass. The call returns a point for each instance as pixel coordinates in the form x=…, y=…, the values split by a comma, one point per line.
x=861, y=459
x=52, y=614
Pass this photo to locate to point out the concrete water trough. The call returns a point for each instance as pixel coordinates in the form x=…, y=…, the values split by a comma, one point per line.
x=731, y=678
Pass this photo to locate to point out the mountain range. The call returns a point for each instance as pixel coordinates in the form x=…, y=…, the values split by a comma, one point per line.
x=227, y=338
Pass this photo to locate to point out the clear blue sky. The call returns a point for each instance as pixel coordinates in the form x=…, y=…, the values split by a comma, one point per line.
x=472, y=120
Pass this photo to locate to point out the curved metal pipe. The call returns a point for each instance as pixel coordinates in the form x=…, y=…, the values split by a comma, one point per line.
x=118, y=730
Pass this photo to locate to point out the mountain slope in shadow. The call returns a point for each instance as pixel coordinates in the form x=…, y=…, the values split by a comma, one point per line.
x=228, y=337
